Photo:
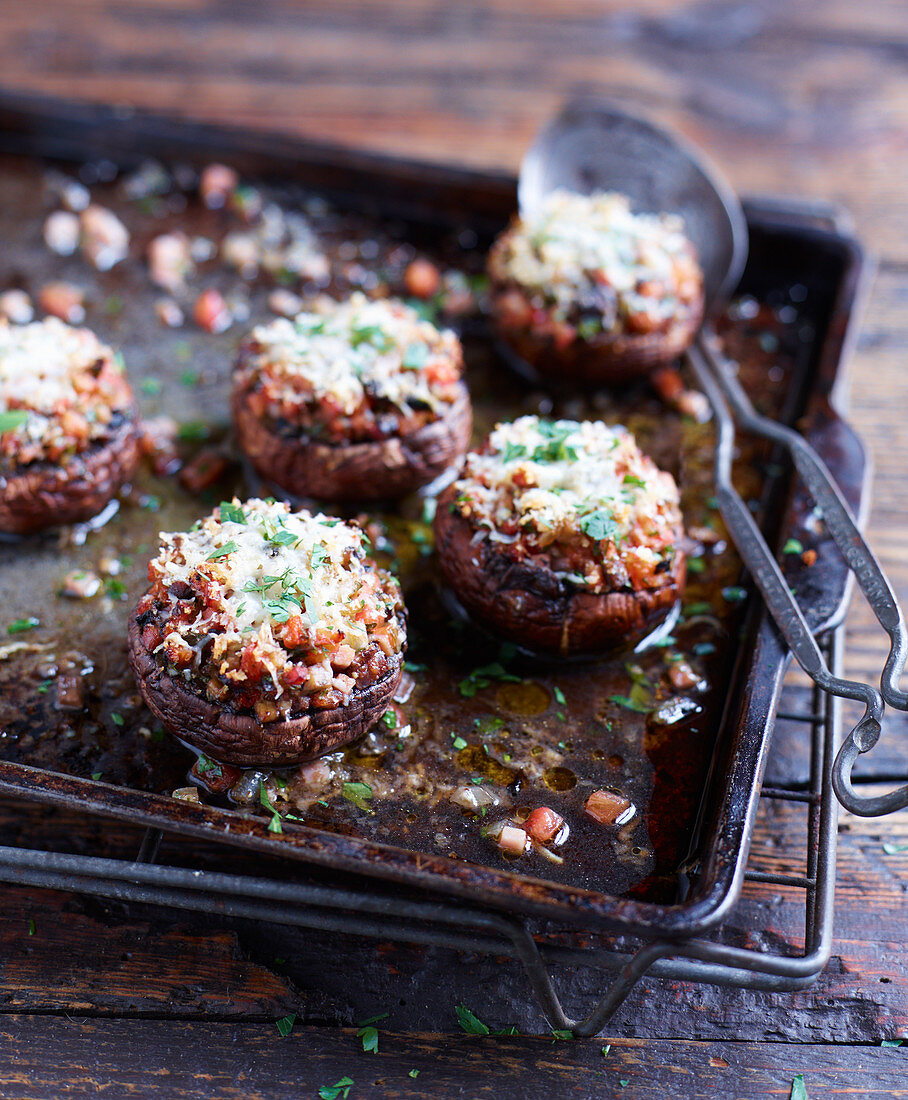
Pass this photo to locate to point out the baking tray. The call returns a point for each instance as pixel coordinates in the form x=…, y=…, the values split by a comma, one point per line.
x=791, y=259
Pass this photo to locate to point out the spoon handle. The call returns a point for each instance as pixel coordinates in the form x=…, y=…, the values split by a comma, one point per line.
x=722, y=390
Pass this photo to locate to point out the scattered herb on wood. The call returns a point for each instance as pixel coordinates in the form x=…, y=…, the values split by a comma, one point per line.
x=798, y=1090
x=340, y=1089
x=285, y=1024
x=482, y=677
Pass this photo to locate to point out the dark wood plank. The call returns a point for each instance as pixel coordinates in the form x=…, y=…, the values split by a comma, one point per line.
x=132, y=1058
x=193, y=967
x=71, y=955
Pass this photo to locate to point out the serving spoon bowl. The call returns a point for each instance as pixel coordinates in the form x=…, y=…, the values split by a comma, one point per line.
x=599, y=146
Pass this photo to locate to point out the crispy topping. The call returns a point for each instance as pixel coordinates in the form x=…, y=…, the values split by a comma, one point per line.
x=287, y=596
x=348, y=355
x=59, y=390
x=567, y=484
x=594, y=262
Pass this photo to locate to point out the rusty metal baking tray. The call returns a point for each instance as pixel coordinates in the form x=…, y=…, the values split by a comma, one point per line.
x=803, y=276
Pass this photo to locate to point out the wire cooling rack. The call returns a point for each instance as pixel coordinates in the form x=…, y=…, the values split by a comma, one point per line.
x=357, y=907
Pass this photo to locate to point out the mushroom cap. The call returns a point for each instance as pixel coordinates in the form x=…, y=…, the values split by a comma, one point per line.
x=526, y=602
x=47, y=494
x=382, y=469
x=241, y=739
x=603, y=359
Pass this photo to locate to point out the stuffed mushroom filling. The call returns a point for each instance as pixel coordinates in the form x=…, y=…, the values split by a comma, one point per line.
x=352, y=371
x=62, y=392
x=577, y=497
x=589, y=266
x=278, y=612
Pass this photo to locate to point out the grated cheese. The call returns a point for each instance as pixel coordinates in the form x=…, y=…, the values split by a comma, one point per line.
x=581, y=250
x=568, y=481
x=351, y=351
x=274, y=566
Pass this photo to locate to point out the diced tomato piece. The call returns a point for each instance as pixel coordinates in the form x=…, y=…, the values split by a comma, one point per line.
x=251, y=665
x=294, y=632
x=543, y=823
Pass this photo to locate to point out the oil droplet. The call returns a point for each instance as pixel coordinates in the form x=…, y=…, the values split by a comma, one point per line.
x=527, y=697
x=560, y=779
x=616, y=761
x=474, y=759
x=597, y=754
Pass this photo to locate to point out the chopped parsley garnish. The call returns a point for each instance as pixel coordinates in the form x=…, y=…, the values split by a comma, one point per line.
x=884, y=1043
x=190, y=378
x=390, y=719
x=798, y=1089
x=44, y=687
x=634, y=482
x=369, y=1036
x=470, y=1023
x=459, y=743
x=274, y=825
x=222, y=552
x=589, y=327
x=701, y=608
x=14, y=418
x=285, y=1024
x=19, y=626
x=231, y=513
x=793, y=546
x=599, y=525
x=413, y=1073
x=415, y=357
x=33, y=928
x=894, y=849
x=481, y=678
x=561, y=1033
x=151, y=386
x=513, y=451
x=319, y=555
x=370, y=334
x=115, y=588
x=696, y=565
x=556, y=449
x=559, y=695
x=205, y=766
x=360, y=794
x=116, y=718
x=629, y=703
x=193, y=431
x=281, y=537
x=734, y=593
x=340, y=1089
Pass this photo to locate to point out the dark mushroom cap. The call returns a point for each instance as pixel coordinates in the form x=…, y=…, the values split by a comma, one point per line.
x=241, y=739
x=527, y=603
x=45, y=494
x=602, y=359
x=377, y=470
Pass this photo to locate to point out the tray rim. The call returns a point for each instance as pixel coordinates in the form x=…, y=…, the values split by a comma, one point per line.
x=23, y=119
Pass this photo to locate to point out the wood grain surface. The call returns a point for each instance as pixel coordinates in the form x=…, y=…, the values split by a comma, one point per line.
x=807, y=100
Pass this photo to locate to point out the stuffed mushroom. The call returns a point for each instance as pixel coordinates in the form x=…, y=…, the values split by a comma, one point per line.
x=67, y=425
x=268, y=637
x=562, y=536
x=353, y=400
x=590, y=292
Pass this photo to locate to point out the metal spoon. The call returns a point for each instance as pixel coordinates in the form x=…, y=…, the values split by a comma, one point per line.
x=595, y=146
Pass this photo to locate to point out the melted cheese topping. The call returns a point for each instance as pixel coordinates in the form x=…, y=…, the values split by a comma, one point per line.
x=569, y=482
x=585, y=250
x=276, y=581
x=349, y=352
x=276, y=564
x=58, y=388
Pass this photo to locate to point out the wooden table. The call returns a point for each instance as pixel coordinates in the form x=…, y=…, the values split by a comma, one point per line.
x=797, y=99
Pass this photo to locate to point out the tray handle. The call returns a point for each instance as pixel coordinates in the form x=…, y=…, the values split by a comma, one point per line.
x=730, y=404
